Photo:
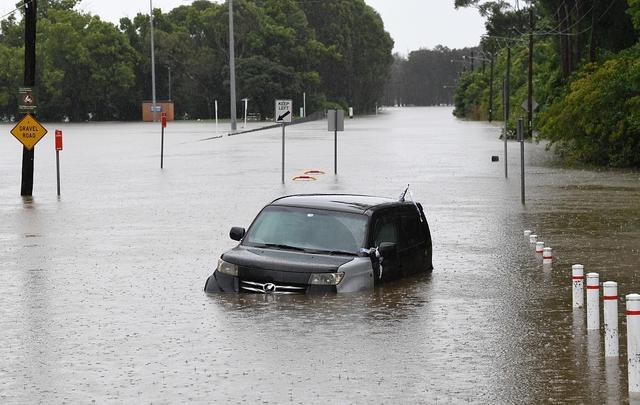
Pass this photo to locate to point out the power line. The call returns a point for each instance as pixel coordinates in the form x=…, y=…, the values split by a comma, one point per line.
x=16, y=9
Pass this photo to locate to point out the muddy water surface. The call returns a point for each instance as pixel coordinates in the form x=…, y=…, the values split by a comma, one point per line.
x=101, y=290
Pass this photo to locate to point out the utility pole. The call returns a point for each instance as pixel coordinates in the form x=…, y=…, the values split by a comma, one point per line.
x=530, y=91
x=232, y=68
x=506, y=108
x=153, y=65
x=30, y=20
x=491, y=91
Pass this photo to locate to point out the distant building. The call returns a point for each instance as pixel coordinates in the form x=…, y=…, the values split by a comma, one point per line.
x=163, y=106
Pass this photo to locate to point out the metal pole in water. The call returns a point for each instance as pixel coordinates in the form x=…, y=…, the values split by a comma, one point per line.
x=610, y=297
x=593, y=304
x=283, y=124
x=335, y=144
x=577, y=278
x=633, y=342
x=539, y=247
x=162, y=147
x=521, y=139
x=58, y=170
x=527, y=233
x=216, y=106
x=505, y=97
x=533, y=238
x=547, y=255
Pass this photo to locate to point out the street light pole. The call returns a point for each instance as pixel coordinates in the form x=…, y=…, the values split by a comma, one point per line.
x=232, y=68
x=153, y=65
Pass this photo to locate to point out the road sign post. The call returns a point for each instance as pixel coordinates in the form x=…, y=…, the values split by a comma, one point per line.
x=163, y=121
x=58, y=149
x=335, y=119
x=283, y=113
x=30, y=22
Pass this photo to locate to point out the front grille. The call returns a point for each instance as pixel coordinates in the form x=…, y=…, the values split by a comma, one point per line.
x=270, y=288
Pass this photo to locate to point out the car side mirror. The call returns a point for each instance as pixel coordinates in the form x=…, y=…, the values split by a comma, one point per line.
x=237, y=233
x=388, y=249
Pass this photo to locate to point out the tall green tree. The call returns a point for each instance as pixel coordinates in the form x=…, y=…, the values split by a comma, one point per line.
x=357, y=66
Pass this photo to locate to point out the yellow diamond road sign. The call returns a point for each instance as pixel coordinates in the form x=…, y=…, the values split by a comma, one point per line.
x=29, y=131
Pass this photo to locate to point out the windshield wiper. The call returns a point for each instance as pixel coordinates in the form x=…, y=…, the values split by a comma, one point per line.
x=332, y=252
x=281, y=246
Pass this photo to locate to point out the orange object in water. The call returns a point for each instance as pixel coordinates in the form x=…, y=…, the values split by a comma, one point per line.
x=304, y=178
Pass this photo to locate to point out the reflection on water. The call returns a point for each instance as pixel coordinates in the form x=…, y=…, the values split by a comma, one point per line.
x=102, y=288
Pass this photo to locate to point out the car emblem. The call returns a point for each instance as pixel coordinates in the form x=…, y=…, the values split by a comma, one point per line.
x=269, y=288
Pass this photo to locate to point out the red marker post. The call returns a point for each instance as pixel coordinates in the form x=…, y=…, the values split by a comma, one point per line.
x=163, y=120
x=58, y=149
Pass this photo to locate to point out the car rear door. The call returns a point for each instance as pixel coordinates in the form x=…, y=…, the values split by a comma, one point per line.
x=412, y=241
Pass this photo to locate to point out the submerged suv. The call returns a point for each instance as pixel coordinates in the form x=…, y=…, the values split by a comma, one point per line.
x=325, y=243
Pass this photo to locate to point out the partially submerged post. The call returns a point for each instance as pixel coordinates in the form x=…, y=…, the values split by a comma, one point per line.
x=163, y=122
x=335, y=120
x=633, y=342
x=58, y=149
x=30, y=19
x=521, y=140
x=283, y=113
x=577, y=279
x=593, y=303
x=610, y=297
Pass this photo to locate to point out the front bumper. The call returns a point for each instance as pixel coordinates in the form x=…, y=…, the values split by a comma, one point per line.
x=223, y=283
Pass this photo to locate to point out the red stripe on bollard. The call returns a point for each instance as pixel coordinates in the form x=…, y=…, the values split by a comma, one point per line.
x=610, y=297
x=593, y=287
x=577, y=277
x=632, y=313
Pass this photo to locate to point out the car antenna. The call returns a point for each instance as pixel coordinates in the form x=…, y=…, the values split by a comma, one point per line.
x=402, y=199
x=404, y=193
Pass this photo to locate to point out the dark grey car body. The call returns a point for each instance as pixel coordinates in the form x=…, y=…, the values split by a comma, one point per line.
x=401, y=227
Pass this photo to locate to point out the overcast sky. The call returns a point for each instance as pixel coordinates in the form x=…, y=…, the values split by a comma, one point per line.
x=413, y=24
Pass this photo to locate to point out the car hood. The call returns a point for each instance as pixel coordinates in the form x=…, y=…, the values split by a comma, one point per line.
x=284, y=260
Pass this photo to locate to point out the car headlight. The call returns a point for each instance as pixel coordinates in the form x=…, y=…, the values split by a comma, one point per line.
x=326, y=278
x=227, y=268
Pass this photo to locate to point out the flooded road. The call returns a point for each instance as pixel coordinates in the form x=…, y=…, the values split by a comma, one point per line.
x=101, y=290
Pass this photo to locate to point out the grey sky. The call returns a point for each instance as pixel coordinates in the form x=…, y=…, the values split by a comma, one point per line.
x=413, y=24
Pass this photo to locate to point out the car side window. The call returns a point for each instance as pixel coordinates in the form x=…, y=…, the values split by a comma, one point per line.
x=385, y=230
x=412, y=230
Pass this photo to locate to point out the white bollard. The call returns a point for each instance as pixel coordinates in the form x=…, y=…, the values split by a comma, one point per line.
x=527, y=232
x=539, y=247
x=633, y=341
x=577, y=278
x=547, y=255
x=593, y=303
x=610, y=298
x=533, y=238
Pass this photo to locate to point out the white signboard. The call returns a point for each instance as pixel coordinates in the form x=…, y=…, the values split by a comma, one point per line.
x=284, y=111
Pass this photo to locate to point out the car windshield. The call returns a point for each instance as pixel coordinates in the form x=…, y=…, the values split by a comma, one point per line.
x=308, y=229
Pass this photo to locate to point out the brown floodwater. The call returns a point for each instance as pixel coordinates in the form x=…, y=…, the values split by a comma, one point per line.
x=101, y=290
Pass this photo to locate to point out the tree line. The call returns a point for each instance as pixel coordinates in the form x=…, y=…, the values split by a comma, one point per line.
x=426, y=76
x=335, y=51
x=586, y=75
